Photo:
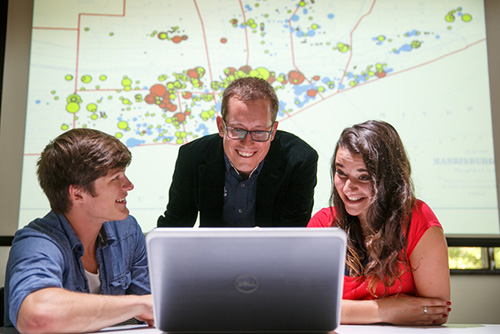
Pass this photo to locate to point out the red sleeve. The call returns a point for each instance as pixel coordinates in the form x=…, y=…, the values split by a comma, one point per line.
x=422, y=219
x=323, y=218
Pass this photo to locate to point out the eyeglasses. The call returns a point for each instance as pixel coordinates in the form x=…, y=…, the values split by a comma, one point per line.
x=240, y=134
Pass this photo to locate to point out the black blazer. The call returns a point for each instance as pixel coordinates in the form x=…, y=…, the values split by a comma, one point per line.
x=285, y=186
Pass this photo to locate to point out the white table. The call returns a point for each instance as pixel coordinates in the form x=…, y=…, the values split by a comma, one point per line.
x=350, y=329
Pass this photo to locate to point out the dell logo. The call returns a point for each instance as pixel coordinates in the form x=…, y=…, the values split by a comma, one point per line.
x=246, y=283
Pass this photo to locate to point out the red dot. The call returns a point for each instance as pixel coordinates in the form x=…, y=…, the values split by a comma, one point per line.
x=158, y=90
x=150, y=99
x=295, y=77
x=180, y=117
x=176, y=39
x=312, y=92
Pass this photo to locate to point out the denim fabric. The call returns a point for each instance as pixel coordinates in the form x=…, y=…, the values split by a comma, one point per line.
x=47, y=253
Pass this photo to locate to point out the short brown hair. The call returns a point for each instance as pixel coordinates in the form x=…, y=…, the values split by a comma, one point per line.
x=78, y=157
x=250, y=89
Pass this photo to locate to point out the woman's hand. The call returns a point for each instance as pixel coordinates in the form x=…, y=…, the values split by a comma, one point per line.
x=409, y=310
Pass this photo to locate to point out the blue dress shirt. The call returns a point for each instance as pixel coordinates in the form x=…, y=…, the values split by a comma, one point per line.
x=239, y=197
x=47, y=253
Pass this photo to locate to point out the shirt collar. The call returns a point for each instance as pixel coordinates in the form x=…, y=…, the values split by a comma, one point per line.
x=229, y=165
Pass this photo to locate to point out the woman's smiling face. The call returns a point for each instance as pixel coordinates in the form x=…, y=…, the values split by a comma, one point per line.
x=353, y=183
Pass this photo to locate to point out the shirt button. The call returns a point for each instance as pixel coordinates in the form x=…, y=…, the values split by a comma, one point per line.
x=243, y=185
x=240, y=210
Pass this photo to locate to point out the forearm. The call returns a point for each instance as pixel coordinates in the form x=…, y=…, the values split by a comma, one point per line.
x=396, y=310
x=359, y=312
x=54, y=310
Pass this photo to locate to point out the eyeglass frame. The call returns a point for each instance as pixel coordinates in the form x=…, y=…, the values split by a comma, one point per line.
x=269, y=133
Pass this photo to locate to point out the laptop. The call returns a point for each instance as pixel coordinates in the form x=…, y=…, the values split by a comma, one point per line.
x=246, y=279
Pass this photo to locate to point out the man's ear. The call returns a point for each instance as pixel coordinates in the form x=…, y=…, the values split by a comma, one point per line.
x=220, y=126
x=275, y=128
x=75, y=193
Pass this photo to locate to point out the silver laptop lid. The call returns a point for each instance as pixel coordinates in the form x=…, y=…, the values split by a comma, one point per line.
x=246, y=279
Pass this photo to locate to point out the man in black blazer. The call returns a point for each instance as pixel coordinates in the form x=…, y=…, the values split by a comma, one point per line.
x=249, y=174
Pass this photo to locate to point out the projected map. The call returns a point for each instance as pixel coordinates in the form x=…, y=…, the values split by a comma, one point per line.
x=152, y=73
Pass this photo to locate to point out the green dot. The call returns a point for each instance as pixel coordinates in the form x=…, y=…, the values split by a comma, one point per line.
x=86, y=78
x=64, y=127
x=314, y=26
x=103, y=77
x=450, y=17
x=126, y=81
x=118, y=135
x=415, y=44
x=381, y=38
x=68, y=77
x=72, y=107
x=94, y=116
x=92, y=107
x=122, y=125
x=466, y=17
x=342, y=47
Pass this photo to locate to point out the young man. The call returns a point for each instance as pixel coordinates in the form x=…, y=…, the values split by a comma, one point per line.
x=83, y=266
x=249, y=174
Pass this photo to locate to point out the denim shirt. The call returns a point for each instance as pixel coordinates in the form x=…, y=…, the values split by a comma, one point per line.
x=47, y=253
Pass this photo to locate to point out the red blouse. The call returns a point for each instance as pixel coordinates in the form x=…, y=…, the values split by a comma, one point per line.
x=356, y=287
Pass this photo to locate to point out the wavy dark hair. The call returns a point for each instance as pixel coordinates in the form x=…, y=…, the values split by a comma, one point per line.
x=78, y=157
x=375, y=255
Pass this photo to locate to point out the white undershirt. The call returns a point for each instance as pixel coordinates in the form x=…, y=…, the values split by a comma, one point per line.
x=94, y=282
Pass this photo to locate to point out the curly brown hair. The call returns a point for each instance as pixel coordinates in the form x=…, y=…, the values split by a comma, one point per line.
x=78, y=157
x=375, y=255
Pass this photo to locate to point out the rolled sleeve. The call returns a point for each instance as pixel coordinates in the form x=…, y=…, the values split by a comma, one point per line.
x=34, y=263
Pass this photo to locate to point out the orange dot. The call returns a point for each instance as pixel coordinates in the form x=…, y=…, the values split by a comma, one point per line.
x=311, y=92
x=180, y=117
x=245, y=69
x=193, y=73
x=187, y=95
x=223, y=40
x=295, y=77
x=158, y=90
x=381, y=74
x=171, y=107
x=176, y=39
x=150, y=99
x=316, y=77
x=184, y=37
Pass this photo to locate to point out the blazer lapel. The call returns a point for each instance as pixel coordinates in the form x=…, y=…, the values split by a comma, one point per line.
x=211, y=176
x=268, y=184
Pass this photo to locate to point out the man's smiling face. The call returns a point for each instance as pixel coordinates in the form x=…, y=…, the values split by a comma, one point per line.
x=246, y=154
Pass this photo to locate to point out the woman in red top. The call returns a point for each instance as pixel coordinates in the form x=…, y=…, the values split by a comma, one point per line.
x=397, y=259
